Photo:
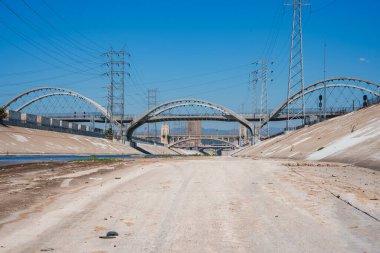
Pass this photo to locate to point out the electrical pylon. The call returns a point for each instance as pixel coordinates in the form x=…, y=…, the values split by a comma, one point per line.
x=296, y=77
x=152, y=102
x=116, y=88
x=260, y=85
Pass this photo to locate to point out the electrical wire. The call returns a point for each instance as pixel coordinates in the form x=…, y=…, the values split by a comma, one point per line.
x=72, y=27
x=53, y=43
x=73, y=42
x=49, y=78
x=328, y=4
x=36, y=45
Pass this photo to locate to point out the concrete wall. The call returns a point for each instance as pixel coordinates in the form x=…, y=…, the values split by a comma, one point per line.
x=14, y=115
x=55, y=122
x=50, y=124
x=30, y=118
x=64, y=124
x=45, y=121
x=75, y=126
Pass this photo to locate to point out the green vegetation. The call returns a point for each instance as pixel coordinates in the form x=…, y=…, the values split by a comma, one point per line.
x=94, y=158
x=3, y=113
x=109, y=133
x=167, y=156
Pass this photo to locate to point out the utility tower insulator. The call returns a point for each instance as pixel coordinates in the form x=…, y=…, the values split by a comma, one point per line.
x=296, y=109
x=261, y=76
x=116, y=89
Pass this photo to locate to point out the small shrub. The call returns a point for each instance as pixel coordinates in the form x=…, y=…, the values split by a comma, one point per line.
x=320, y=148
x=109, y=133
x=3, y=113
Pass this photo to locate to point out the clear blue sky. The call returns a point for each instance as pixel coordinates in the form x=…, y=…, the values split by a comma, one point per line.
x=196, y=48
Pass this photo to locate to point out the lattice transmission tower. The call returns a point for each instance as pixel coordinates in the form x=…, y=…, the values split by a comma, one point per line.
x=152, y=102
x=116, y=89
x=261, y=77
x=296, y=109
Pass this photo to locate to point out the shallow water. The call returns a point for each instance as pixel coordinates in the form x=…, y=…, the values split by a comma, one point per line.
x=11, y=160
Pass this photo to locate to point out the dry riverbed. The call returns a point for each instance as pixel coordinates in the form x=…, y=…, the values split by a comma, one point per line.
x=195, y=204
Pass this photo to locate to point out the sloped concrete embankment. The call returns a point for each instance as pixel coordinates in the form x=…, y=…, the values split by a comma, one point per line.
x=156, y=149
x=353, y=138
x=25, y=141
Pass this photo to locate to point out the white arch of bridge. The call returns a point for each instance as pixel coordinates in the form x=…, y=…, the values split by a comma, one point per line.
x=60, y=92
x=337, y=82
x=160, y=109
x=202, y=138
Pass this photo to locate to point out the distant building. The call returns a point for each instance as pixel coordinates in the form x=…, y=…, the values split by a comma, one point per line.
x=194, y=129
x=243, y=135
x=165, y=131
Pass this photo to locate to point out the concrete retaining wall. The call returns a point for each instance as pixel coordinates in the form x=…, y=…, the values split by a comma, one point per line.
x=45, y=121
x=30, y=118
x=55, y=123
x=14, y=115
x=74, y=126
x=65, y=124
x=50, y=124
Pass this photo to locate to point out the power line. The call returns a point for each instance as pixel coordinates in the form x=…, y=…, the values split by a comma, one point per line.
x=220, y=88
x=40, y=59
x=73, y=42
x=73, y=83
x=274, y=36
x=30, y=71
x=328, y=4
x=200, y=84
x=200, y=74
x=52, y=42
x=34, y=44
x=72, y=27
x=49, y=78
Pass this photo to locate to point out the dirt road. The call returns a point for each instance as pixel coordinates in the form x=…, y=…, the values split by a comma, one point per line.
x=206, y=205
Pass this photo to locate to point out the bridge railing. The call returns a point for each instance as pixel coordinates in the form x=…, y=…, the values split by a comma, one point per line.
x=331, y=111
x=86, y=115
x=74, y=115
x=50, y=124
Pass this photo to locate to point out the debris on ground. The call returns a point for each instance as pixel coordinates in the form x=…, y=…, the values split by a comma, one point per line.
x=47, y=249
x=112, y=233
x=109, y=235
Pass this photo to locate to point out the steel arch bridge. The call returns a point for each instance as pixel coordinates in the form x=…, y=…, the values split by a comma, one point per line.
x=347, y=89
x=191, y=109
x=333, y=86
x=202, y=138
x=38, y=94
